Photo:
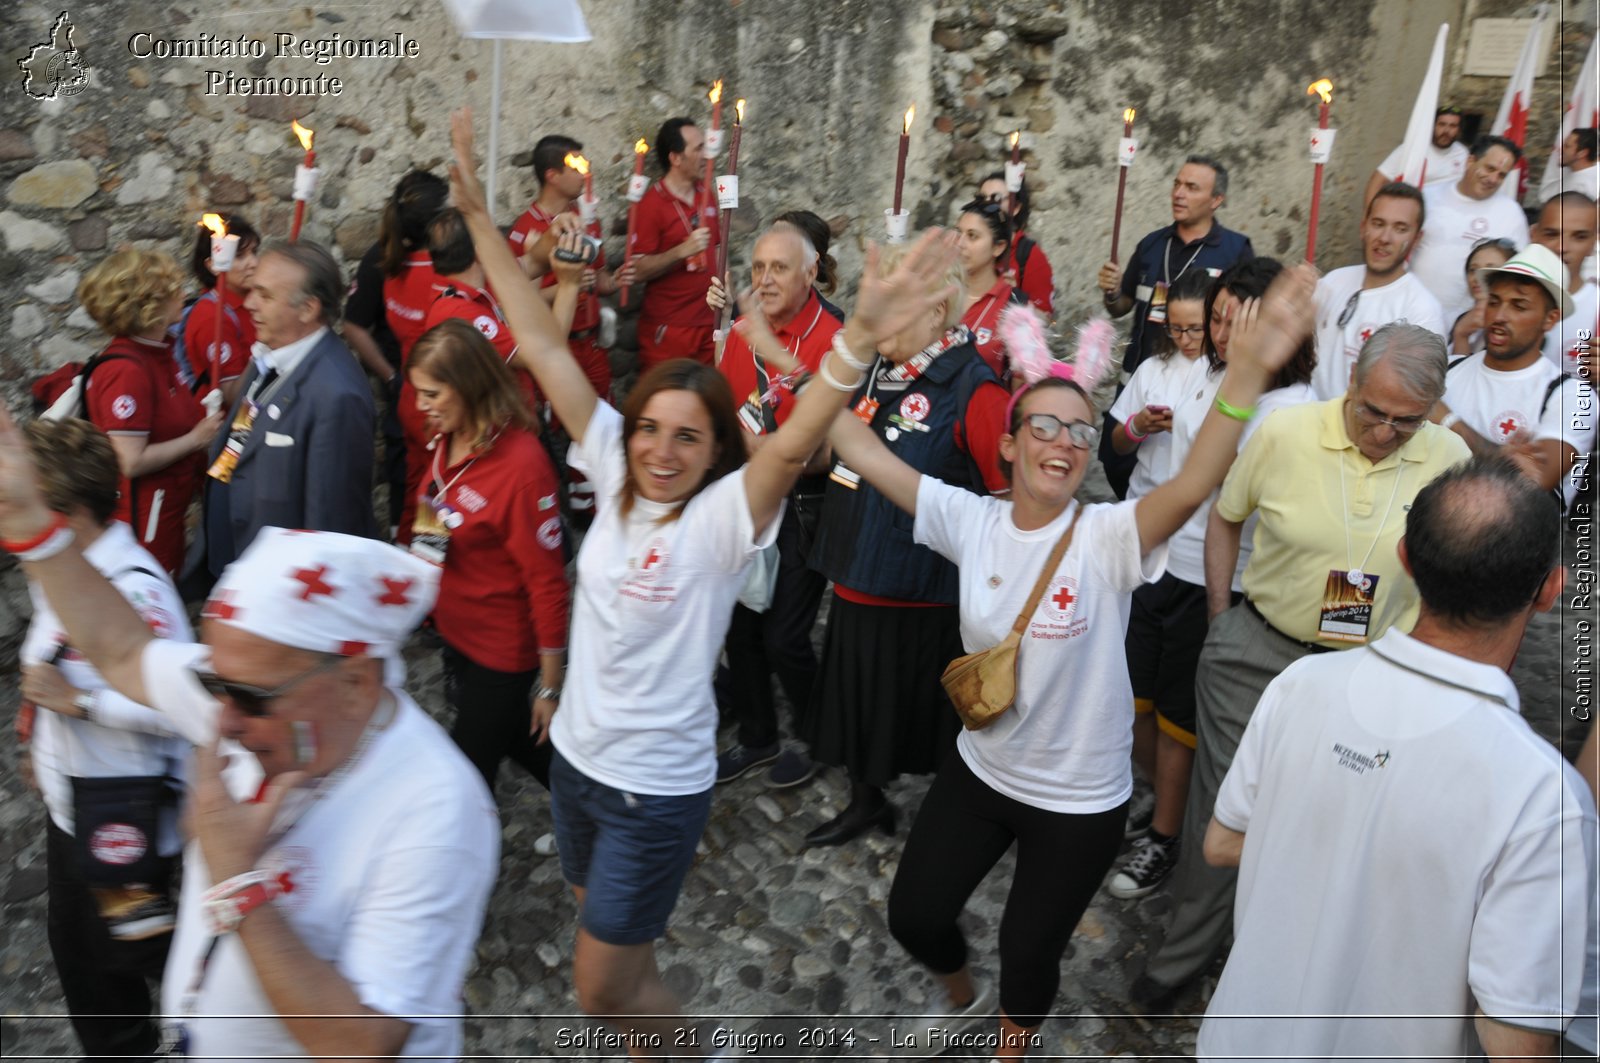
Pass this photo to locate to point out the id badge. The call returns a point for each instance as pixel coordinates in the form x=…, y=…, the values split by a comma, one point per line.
x=430, y=531
x=1347, y=605
x=1158, y=304
x=222, y=469
x=866, y=409
x=750, y=415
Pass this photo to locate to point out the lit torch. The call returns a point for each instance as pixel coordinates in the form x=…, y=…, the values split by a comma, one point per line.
x=897, y=217
x=305, y=177
x=223, y=248
x=638, y=184
x=728, y=201
x=1321, y=149
x=588, y=205
x=1014, y=172
x=713, y=144
x=1127, y=148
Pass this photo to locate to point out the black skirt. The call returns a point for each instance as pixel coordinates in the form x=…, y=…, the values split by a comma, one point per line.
x=877, y=708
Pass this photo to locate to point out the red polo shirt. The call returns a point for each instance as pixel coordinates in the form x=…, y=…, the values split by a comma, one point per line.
x=535, y=221
x=503, y=594
x=458, y=299
x=983, y=321
x=807, y=335
x=1038, y=280
x=406, y=299
x=662, y=222
x=200, y=335
x=138, y=394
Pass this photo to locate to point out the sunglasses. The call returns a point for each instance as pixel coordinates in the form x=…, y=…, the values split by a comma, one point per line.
x=1046, y=426
x=252, y=700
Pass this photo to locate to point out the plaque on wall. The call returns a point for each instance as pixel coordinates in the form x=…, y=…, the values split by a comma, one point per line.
x=1495, y=44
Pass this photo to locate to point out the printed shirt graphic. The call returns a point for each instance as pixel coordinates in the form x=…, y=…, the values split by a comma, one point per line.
x=1064, y=746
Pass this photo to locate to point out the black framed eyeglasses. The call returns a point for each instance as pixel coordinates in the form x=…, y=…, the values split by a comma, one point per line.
x=1046, y=426
x=1178, y=332
x=252, y=700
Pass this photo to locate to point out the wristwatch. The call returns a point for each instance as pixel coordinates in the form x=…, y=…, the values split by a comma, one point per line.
x=86, y=702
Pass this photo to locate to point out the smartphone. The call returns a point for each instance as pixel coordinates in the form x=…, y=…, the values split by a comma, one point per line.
x=1153, y=408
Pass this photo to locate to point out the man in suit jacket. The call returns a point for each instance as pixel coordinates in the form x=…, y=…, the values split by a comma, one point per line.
x=299, y=451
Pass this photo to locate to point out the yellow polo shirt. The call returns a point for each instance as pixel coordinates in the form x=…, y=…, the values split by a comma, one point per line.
x=1289, y=473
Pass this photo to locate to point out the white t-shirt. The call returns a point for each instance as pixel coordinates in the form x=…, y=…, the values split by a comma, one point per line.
x=1187, y=547
x=391, y=865
x=1065, y=744
x=1411, y=848
x=1559, y=341
x=1444, y=166
x=1453, y=225
x=125, y=738
x=1157, y=382
x=650, y=611
x=1571, y=417
x=1497, y=405
x=1559, y=179
x=1402, y=299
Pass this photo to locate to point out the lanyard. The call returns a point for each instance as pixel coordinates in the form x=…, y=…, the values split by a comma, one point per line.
x=436, y=474
x=1166, y=260
x=677, y=205
x=1355, y=575
x=1379, y=649
x=768, y=386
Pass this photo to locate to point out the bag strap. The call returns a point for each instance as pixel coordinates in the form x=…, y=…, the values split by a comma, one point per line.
x=1050, y=565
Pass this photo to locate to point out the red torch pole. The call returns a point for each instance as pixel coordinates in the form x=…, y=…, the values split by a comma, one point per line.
x=1124, y=160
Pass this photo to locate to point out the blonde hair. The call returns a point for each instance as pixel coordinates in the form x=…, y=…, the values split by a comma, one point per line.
x=127, y=293
x=458, y=356
x=892, y=256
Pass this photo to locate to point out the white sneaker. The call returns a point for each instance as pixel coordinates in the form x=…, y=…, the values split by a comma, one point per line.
x=545, y=845
x=929, y=1035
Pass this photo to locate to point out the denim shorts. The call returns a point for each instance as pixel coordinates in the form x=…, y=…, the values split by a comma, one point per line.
x=629, y=852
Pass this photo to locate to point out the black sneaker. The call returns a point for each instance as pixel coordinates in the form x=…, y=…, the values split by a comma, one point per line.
x=792, y=768
x=1148, y=868
x=741, y=760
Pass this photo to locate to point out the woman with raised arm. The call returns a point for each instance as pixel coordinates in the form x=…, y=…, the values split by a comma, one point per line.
x=679, y=514
x=1052, y=773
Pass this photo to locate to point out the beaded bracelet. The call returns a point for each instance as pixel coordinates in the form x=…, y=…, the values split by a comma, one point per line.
x=845, y=356
x=1227, y=409
x=833, y=382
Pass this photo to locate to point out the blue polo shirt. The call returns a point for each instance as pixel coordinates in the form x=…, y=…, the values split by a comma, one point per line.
x=1163, y=257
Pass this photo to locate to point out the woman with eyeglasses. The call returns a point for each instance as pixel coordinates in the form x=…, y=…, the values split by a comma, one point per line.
x=1050, y=775
x=877, y=708
x=985, y=240
x=1168, y=621
x=1466, y=335
x=1143, y=412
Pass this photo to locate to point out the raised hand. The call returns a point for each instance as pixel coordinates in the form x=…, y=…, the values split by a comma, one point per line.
x=887, y=303
x=465, y=191
x=1267, y=331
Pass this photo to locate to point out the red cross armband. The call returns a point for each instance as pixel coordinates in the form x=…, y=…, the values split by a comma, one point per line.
x=228, y=902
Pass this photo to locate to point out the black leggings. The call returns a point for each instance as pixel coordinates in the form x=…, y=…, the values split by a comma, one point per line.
x=962, y=830
x=493, y=713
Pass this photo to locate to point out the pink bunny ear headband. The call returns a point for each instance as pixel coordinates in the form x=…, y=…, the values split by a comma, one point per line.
x=1022, y=332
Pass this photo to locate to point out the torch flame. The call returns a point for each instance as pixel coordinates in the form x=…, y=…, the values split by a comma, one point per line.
x=577, y=162
x=1127, y=116
x=716, y=91
x=1323, y=88
x=215, y=224
x=738, y=109
x=641, y=146
x=303, y=134
x=911, y=112
x=1015, y=137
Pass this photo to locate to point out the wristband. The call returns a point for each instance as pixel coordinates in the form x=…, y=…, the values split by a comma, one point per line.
x=1133, y=437
x=86, y=702
x=48, y=543
x=1450, y=420
x=548, y=694
x=845, y=356
x=833, y=382
x=226, y=904
x=1227, y=409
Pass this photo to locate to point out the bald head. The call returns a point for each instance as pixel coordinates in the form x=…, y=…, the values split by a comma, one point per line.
x=1567, y=227
x=1480, y=542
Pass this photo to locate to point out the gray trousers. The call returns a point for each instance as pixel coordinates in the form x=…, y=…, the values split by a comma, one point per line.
x=1241, y=656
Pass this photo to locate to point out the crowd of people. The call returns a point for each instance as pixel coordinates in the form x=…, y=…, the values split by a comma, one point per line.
x=1276, y=663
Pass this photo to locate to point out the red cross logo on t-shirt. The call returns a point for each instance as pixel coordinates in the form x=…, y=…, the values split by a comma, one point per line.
x=1508, y=426
x=651, y=559
x=1064, y=598
x=394, y=591
x=1366, y=334
x=314, y=583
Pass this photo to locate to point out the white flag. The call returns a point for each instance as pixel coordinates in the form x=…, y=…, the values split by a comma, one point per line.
x=1511, y=121
x=1583, y=112
x=1419, y=131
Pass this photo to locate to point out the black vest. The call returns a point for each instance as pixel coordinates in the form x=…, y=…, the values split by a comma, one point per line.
x=864, y=541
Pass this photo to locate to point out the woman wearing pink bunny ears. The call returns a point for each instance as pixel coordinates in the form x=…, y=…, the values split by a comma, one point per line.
x=1052, y=774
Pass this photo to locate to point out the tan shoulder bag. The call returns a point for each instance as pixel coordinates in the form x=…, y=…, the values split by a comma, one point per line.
x=983, y=685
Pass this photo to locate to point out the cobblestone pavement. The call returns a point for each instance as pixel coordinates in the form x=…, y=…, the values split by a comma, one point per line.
x=769, y=940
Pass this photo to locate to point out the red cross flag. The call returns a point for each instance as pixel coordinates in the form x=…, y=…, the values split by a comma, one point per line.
x=1511, y=121
x=1583, y=112
x=1419, y=130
